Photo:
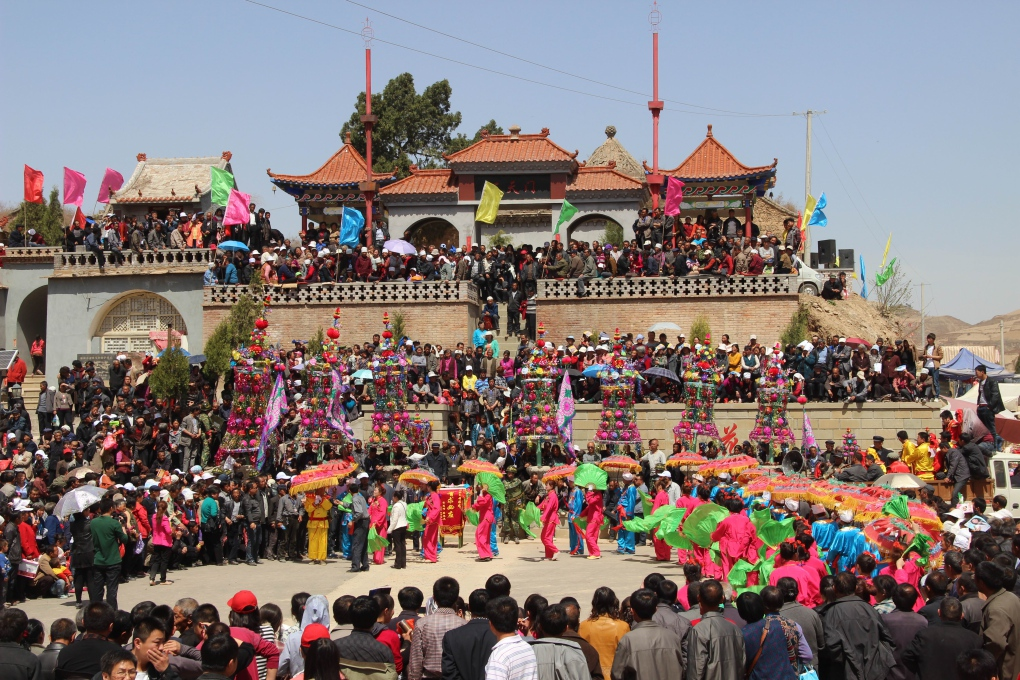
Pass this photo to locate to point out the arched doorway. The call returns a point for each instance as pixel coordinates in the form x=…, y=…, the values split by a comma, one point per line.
x=32, y=319
x=432, y=232
x=138, y=322
x=593, y=228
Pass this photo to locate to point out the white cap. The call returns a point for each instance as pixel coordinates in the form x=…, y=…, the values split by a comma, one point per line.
x=697, y=478
x=842, y=339
x=846, y=516
x=753, y=337
x=281, y=476
x=666, y=473
x=468, y=368
x=188, y=494
x=362, y=475
x=130, y=487
x=725, y=476
x=792, y=504
x=364, y=249
x=149, y=483
x=207, y=476
x=500, y=445
x=627, y=476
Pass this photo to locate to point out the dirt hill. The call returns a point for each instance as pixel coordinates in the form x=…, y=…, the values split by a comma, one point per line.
x=855, y=317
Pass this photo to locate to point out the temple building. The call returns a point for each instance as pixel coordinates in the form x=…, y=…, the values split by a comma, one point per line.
x=169, y=184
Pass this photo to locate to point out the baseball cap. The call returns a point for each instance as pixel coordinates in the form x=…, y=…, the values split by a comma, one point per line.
x=313, y=632
x=243, y=602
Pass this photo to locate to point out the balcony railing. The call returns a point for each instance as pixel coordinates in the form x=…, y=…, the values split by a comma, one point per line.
x=353, y=293
x=84, y=262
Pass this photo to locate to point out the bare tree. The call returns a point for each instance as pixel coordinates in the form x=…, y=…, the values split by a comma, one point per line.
x=895, y=294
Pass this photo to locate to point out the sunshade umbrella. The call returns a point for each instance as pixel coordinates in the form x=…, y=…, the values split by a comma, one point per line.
x=418, y=478
x=232, y=245
x=857, y=341
x=341, y=467
x=593, y=370
x=77, y=500
x=657, y=372
x=196, y=359
x=664, y=326
x=182, y=351
x=891, y=533
x=729, y=464
x=474, y=467
x=363, y=374
x=901, y=480
x=620, y=463
x=312, y=479
x=686, y=459
x=400, y=247
x=80, y=472
x=554, y=474
x=573, y=373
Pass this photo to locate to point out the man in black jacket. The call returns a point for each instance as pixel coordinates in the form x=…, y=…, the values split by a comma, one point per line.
x=61, y=633
x=251, y=511
x=933, y=652
x=466, y=649
x=16, y=662
x=989, y=402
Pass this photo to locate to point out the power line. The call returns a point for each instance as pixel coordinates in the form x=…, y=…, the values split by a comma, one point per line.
x=560, y=71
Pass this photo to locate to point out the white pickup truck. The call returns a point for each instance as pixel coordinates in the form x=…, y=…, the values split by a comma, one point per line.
x=1004, y=469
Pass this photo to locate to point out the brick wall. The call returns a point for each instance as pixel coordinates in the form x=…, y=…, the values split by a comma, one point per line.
x=765, y=316
x=446, y=323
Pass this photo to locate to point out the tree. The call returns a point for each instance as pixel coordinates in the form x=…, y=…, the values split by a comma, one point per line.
x=399, y=326
x=895, y=294
x=412, y=128
x=795, y=331
x=170, y=377
x=46, y=218
x=613, y=234
x=461, y=141
x=315, y=344
x=500, y=240
x=235, y=330
x=700, y=329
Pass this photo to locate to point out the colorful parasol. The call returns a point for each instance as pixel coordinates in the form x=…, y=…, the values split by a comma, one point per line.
x=341, y=467
x=474, y=467
x=314, y=478
x=560, y=472
x=417, y=478
x=686, y=459
x=625, y=463
x=891, y=533
x=731, y=464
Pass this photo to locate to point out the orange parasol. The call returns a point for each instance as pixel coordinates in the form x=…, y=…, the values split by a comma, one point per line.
x=555, y=474
x=729, y=464
x=312, y=479
x=474, y=467
x=686, y=459
x=417, y=478
x=625, y=463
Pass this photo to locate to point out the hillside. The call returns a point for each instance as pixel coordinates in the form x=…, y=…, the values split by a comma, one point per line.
x=953, y=331
x=855, y=317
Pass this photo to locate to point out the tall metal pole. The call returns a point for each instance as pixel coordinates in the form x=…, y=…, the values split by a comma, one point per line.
x=1002, y=343
x=807, y=182
x=655, y=180
x=368, y=187
x=924, y=336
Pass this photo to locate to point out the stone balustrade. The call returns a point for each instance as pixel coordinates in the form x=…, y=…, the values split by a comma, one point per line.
x=84, y=263
x=669, y=287
x=381, y=292
x=30, y=255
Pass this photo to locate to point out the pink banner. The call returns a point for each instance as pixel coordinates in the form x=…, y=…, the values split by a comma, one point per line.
x=674, y=194
x=237, y=208
x=74, y=187
x=112, y=182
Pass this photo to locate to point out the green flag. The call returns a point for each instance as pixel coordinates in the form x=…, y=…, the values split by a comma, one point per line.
x=222, y=183
x=566, y=212
x=886, y=274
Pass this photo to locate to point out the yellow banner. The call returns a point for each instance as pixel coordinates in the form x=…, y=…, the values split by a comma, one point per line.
x=489, y=205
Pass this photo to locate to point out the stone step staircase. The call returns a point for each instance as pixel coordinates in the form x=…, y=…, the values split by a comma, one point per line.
x=30, y=393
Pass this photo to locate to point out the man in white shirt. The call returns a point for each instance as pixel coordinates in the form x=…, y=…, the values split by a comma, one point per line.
x=511, y=658
x=654, y=457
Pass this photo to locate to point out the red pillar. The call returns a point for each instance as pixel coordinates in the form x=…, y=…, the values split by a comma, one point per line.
x=655, y=180
x=748, y=216
x=368, y=187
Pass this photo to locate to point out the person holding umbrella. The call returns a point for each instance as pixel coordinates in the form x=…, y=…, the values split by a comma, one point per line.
x=483, y=506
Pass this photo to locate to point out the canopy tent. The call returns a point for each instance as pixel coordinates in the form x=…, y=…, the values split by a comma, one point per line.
x=962, y=367
x=1006, y=424
x=1010, y=395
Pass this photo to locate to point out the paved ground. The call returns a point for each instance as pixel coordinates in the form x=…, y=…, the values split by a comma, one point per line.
x=276, y=581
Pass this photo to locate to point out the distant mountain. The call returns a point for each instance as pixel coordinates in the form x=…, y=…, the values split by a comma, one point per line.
x=952, y=331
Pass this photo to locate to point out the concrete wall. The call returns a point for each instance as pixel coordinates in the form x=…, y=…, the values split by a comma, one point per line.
x=77, y=306
x=25, y=281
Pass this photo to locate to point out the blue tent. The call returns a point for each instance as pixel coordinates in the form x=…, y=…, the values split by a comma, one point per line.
x=962, y=367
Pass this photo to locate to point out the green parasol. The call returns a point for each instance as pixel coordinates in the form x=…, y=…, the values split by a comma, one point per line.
x=495, y=484
x=772, y=533
x=528, y=516
x=582, y=522
x=589, y=473
x=414, y=518
x=702, y=522
x=375, y=542
x=649, y=522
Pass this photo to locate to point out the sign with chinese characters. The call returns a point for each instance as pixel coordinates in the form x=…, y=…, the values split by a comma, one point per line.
x=453, y=502
x=729, y=439
x=515, y=186
x=705, y=205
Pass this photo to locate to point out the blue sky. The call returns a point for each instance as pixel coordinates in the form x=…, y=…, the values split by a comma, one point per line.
x=919, y=138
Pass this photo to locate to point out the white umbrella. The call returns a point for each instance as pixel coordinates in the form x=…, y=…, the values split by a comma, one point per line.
x=77, y=500
x=663, y=326
x=400, y=247
x=901, y=480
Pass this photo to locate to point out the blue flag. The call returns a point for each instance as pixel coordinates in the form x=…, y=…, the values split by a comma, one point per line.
x=351, y=226
x=864, y=280
x=818, y=218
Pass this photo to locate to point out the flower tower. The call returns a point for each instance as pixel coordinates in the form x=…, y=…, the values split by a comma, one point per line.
x=535, y=413
x=772, y=424
x=254, y=372
x=618, y=426
x=851, y=449
x=321, y=412
x=391, y=421
x=700, y=380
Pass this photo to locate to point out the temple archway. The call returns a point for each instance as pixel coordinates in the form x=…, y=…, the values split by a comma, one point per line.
x=32, y=319
x=137, y=322
x=592, y=228
x=431, y=233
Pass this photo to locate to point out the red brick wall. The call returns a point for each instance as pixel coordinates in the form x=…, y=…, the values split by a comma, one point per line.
x=740, y=317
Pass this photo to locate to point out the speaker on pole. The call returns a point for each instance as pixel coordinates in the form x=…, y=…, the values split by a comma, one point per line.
x=827, y=252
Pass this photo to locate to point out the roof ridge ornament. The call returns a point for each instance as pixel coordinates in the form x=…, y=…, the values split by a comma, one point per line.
x=709, y=133
x=610, y=131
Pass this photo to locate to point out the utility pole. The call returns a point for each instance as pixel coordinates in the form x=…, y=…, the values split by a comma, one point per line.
x=1002, y=343
x=807, y=172
x=368, y=187
x=923, y=334
x=655, y=180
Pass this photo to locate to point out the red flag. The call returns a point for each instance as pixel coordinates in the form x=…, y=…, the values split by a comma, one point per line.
x=33, y=186
x=79, y=219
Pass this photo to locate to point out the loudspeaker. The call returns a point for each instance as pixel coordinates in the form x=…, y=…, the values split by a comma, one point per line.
x=814, y=261
x=827, y=252
x=846, y=258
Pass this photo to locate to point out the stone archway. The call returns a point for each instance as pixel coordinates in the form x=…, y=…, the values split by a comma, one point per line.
x=593, y=228
x=32, y=319
x=431, y=233
x=133, y=323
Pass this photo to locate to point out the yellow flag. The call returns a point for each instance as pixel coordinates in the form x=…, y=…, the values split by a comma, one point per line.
x=489, y=205
x=809, y=209
x=886, y=253
x=836, y=263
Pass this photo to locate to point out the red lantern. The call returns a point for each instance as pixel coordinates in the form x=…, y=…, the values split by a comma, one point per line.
x=261, y=324
x=332, y=333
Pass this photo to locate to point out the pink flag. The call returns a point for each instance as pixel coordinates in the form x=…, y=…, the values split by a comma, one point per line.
x=112, y=182
x=674, y=194
x=74, y=187
x=237, y=208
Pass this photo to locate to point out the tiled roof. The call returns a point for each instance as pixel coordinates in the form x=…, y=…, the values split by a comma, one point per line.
x=423, y=182
x=612, y=150
x=170, y=180
x=602, y=178
x=344, y=168
x=513, y=148
x=713, y=161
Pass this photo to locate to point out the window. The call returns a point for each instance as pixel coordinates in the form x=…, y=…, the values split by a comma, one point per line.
x=1000, y=475
x=127, y=327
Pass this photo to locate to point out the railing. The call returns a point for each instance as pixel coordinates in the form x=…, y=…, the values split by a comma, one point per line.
x=348, y=293
x=192, y=259
x=669, y=287
x=36, y=254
